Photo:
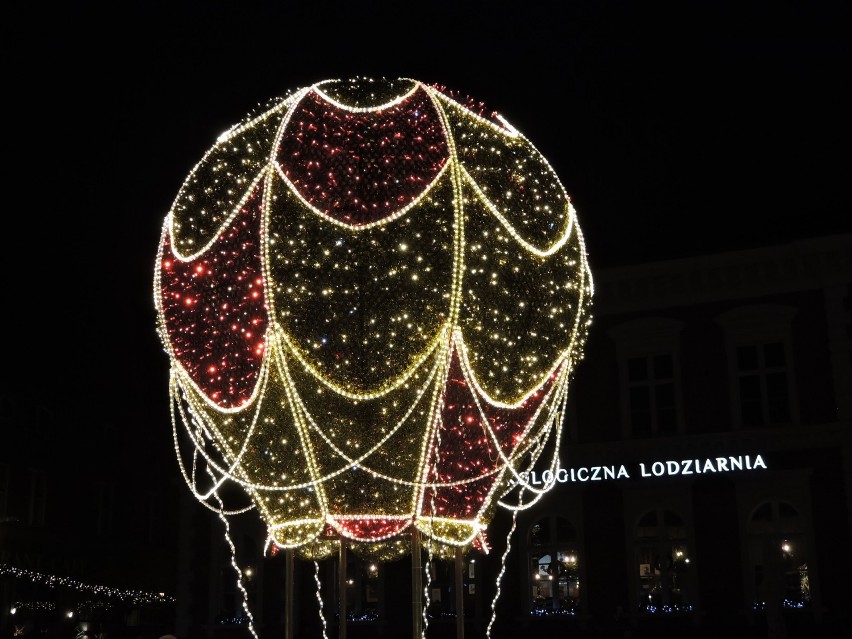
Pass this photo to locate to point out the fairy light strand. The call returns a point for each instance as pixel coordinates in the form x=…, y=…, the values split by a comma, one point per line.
x=500, y=575
x=319, y=598
x=55, y=581
x=239, y=573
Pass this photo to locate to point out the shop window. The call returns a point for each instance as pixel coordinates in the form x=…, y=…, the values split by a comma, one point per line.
x=777, y=557
x=442, y=588
x=553, y=567
x=760, y=364
x=234, y=587
x=662, y=563
x=364, y=582
x=363, y=589
x=648, y=356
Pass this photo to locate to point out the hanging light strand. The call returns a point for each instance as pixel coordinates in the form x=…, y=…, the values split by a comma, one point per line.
x=319, y=598
x=54, y=581
x=502, y=572
x=234, y=565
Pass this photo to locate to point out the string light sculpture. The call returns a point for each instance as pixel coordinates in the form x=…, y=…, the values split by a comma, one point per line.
x=373, y=294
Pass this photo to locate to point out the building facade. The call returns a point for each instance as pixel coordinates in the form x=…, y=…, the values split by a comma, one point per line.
x=704, y=486
x=721, y=388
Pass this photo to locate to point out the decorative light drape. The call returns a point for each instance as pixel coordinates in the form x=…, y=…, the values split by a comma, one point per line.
x=373, y=295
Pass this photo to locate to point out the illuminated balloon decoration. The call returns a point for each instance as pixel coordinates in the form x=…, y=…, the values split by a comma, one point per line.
x=373, y=294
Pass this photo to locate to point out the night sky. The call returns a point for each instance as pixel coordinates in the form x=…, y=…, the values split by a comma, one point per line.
x=677, y=130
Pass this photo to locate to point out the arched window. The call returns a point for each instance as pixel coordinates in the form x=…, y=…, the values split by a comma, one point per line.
x=663, y=562
x=777, y=556
x=553, y=567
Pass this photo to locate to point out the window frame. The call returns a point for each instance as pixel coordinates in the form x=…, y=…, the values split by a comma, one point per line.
x=647, y=338
x=792, y=487
x=759, y=325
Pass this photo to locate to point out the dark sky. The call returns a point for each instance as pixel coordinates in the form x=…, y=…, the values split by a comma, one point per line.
x=677, y=130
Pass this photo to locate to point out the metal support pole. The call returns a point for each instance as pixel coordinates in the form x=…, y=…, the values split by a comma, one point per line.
x=459, y=593
x=341, y=587
x=416, y=586
x=289, y=590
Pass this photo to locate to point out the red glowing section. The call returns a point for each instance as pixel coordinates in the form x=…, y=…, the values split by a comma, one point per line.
x=472, y=105
x=467, y=449
x=480, y=542
x=359, y=168
x=214, y=310
x=370, y=528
